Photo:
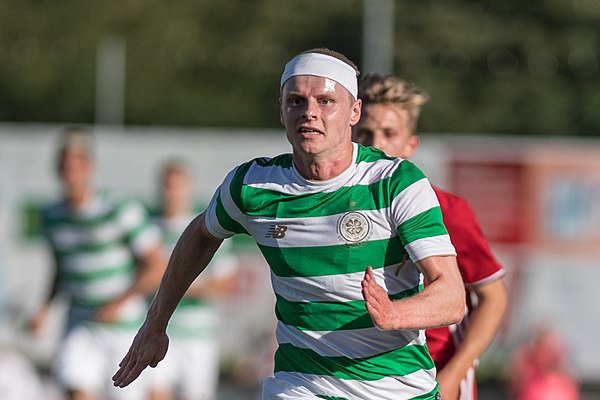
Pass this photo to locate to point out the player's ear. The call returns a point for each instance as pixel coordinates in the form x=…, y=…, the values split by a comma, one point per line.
x=411, y=145
x=355, y=112
x=281, y=110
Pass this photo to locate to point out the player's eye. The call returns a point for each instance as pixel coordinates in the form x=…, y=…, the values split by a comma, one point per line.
x=294, y=101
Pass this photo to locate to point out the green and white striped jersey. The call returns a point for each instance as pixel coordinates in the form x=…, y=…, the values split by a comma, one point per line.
x=318, y=238
x=95, y=249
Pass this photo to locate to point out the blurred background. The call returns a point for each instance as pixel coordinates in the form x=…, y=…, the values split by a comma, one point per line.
x=512, y=125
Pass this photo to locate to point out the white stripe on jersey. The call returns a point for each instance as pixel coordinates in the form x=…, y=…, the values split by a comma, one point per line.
x=355, y=343
x=71, y=237
x=344, y=287
x=421, y=248
x=113, y=258
x=98, y=290
x=404, y=206
x=291, y=385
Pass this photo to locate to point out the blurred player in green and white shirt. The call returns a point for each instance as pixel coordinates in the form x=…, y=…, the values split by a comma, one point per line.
x=190, y=371
x=108, y=258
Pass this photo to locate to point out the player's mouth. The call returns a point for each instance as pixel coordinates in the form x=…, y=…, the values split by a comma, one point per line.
x=308, y=131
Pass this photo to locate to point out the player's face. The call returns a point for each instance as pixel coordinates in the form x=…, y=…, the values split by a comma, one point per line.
x=75, y=169
x=386, y=126
x=318, y=115
x=175, y=187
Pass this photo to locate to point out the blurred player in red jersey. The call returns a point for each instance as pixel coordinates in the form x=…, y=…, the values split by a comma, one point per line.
x=390, y=113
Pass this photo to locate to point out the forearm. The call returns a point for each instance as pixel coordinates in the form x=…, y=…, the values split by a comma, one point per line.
x=482, y=326
x=440, y=303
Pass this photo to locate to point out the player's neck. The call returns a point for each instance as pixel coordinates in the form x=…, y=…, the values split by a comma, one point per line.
x=174, y=210
x=77, y=197
x=323, y=168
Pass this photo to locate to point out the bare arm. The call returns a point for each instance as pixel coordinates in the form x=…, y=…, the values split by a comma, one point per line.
x=193, y=251
x=38, y=320
x=484, y=322
x=441, y=302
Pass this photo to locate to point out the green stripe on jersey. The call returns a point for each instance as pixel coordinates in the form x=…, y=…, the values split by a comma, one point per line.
x=283, y=160
x=95, y=275
x=329, y=316
x=399, y=362
x=370, y=154
x=268, y=203
x=90, y=248
x=428, y=396
x=333, y=260
x=236, y=187
x=426, y=224
x=136, y=231
x=226, y=221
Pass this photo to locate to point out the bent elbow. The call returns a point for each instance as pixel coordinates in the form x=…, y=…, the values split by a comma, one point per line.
x=459, y=310
x=458, y=316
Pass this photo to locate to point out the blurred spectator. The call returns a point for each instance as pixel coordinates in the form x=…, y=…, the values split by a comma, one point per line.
x=190, y=370
x=108, y=258
x=540, y=370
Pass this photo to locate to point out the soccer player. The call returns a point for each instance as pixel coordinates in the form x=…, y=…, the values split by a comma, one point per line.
x=391, y=109
x=109, y=257
x=348, y=233
x=190, y=371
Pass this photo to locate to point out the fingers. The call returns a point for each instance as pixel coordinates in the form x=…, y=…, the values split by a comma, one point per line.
x=371, y=292
x=377, y=301
x=130, y=368
x=154, y=362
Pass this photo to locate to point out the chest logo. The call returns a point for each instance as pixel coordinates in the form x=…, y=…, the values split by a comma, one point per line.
x=276, y=231
x=354, y=227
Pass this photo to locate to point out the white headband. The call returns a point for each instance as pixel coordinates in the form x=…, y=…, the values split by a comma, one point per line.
x=322, y=65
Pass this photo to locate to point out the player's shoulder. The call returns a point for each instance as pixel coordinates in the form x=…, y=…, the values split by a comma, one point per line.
x=370, y=154
x=260, y=164
x=282, y=160
x=373, y=159
x=113, y=198
x=117, y=204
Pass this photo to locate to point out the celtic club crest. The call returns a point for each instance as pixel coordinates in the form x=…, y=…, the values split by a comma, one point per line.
x=354, y=227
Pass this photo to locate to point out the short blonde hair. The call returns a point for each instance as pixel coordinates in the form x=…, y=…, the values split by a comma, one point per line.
x=389, y=89
x=74, y=138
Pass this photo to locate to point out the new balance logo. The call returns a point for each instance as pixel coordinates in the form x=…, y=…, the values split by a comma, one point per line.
x=276, y=231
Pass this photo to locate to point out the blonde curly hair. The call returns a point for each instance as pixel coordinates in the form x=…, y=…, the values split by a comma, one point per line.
x=389, y=89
